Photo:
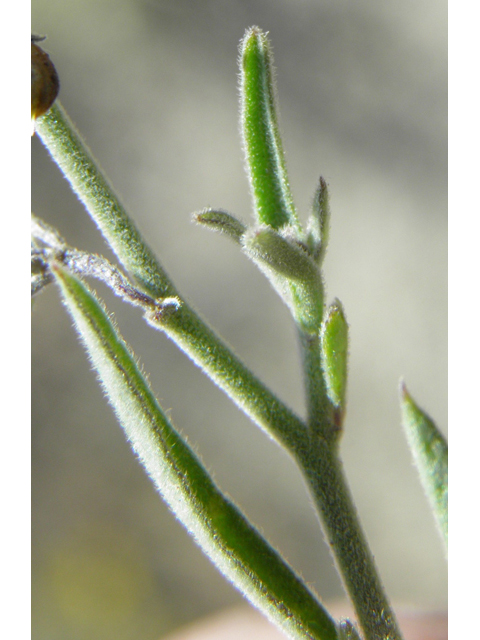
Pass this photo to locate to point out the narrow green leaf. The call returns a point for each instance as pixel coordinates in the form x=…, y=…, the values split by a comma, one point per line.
x=430, y=453
x=217, y=525
x=318, y=227
x=273, y=203
x=292, y=273
x=334, y=344
x=221, y=221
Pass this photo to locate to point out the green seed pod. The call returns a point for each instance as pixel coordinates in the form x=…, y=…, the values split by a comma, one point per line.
x=334, y=345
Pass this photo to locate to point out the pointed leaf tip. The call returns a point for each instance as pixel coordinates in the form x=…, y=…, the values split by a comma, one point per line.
x=319, y=222
x=430, y=453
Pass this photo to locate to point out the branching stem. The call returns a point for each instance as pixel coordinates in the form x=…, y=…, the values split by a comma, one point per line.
x=314, y=443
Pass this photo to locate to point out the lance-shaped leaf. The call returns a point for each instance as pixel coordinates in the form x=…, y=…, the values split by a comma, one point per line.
x=273, y=203
x=318, y=227
x=430, y=453
x=222, y=222
x=292, y=273
x=217, y=525
x=334, y=345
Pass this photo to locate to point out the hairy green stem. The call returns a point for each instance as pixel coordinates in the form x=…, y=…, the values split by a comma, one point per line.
x=326, y=479
x=315, y=448
x=77, y=163
x=186, y=328
x=200, y=343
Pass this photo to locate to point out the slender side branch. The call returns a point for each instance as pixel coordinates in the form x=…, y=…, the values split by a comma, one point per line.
x=200, y=343
x=316, y=448
x=85, y=264
x=186, y=328
x=80, y=168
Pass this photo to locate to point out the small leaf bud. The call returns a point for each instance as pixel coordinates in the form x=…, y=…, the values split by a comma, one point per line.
x=334, y=345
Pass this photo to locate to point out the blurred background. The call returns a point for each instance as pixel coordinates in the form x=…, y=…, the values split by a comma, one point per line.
x=152, y=86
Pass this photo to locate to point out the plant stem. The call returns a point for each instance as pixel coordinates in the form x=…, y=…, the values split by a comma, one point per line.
x=200, y=343
x=326, y=479
x=77, y=163
x=185, y=327
x=319, y=410
x=316, y=451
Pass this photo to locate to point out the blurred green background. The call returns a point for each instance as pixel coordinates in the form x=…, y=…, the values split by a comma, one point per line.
x=152, y=86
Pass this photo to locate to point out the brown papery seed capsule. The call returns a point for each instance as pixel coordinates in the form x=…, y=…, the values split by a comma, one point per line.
x=45, y=83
